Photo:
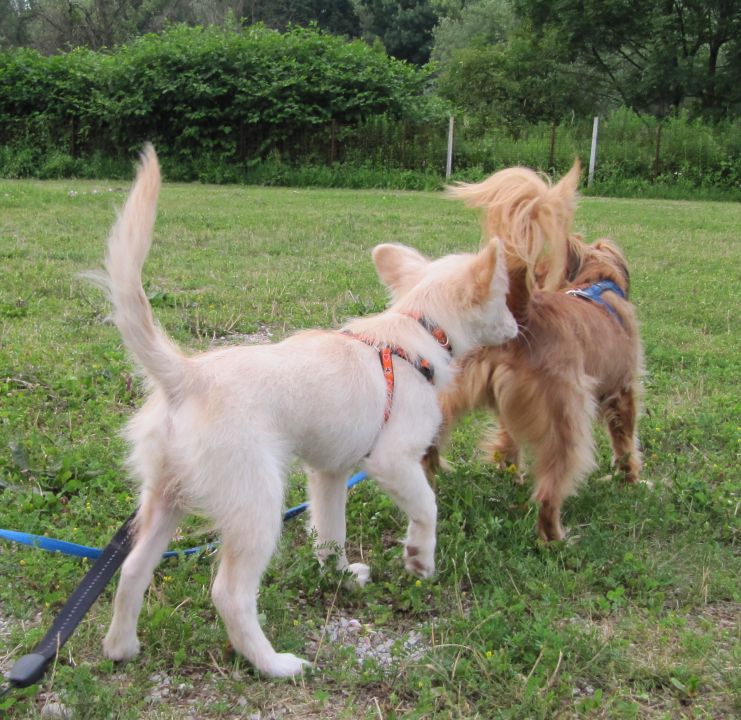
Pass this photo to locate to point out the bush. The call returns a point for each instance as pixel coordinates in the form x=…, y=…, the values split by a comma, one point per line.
x=232, y=94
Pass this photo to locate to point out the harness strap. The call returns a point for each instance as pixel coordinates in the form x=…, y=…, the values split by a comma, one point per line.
x=386, y=353
x=436, y=331
x=593, y=293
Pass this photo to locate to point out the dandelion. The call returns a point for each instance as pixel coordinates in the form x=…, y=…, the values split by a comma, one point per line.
x=418, y=583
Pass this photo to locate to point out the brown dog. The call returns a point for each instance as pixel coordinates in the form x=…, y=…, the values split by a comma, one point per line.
x=577, y=355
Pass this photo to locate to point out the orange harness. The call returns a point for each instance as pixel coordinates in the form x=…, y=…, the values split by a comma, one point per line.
x=386, y=353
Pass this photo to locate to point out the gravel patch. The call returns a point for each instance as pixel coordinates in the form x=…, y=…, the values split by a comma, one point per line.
x=382, y=645
x=263, y=336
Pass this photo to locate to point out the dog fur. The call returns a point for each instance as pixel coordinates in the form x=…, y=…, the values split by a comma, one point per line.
x=571, y=361
x=219, y=430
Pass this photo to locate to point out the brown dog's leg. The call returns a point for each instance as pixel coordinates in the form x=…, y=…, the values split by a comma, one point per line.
x=563, y=454
x=502, y=448
x=621, y=415
x=549, y=521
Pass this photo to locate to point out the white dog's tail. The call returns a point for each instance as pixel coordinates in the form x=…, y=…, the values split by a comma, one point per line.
x=128, y=245
x=531, y=215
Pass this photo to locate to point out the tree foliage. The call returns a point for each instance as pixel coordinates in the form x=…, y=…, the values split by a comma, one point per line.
x=57, y=25
x=476, y=25
x=404, y=28
x=523, y=80
x=657, y=57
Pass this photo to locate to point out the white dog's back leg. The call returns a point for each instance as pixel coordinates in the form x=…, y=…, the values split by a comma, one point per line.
x=249, y=538
x=156, y=523
x=328, y=498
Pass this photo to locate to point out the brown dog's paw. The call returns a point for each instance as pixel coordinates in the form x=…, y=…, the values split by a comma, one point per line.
x=549, y=524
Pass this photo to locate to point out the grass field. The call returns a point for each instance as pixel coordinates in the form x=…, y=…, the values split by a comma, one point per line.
x=636, y=615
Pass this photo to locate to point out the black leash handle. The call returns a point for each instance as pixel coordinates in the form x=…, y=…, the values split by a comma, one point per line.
x=30, y=668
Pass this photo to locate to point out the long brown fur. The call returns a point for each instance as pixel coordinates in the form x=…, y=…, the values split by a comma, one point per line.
x=571, y=362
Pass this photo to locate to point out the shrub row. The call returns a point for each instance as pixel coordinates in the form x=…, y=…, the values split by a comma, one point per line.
x=236, y=94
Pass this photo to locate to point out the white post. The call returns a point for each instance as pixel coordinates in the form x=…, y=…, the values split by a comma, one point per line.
x=593, y=153
x=449, y=163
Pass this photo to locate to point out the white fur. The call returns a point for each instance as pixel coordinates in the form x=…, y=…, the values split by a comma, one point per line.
x=219, y=429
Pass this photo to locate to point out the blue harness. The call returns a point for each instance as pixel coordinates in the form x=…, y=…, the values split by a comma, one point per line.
x=593, y=293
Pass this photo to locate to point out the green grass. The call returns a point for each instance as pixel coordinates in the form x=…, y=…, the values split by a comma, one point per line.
x=636, y=616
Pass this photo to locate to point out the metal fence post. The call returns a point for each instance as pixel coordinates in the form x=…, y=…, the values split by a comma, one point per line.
x=449, y=162
x=593, y=152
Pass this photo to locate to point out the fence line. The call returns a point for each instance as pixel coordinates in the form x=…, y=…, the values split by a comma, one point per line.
x=629, y=147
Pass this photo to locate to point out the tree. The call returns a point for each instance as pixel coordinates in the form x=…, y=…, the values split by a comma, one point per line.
x=524, y=80
x=404, y=28
x=51, y=26
x=658, y=57
x=474, y=25
x=338, y=17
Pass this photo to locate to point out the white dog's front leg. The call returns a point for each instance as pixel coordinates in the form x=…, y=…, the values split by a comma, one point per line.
x=406, y=484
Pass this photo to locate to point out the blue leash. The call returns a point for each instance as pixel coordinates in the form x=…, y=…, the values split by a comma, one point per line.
x=30, y=668
x=83, y=551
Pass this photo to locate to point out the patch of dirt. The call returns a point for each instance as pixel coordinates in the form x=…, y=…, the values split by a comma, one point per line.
x=382, y=645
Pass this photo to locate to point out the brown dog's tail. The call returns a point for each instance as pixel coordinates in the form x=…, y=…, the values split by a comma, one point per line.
x=532, y=216
x=128, y=246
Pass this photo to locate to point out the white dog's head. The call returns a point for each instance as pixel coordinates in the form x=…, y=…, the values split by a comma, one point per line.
x=466, y=294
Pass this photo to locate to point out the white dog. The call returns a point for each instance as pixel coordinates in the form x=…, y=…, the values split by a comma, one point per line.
x=220, y=429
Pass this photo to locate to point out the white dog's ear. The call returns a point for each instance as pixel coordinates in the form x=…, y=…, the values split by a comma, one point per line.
x=399, y=267
x=489, y=272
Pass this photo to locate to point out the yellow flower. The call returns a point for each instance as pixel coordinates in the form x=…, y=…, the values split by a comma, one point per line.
x=418, y=583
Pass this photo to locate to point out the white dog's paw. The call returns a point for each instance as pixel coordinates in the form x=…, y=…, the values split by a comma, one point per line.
x=120, y=649
x=359, y=574
x=284, y=665
x=419, y=561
